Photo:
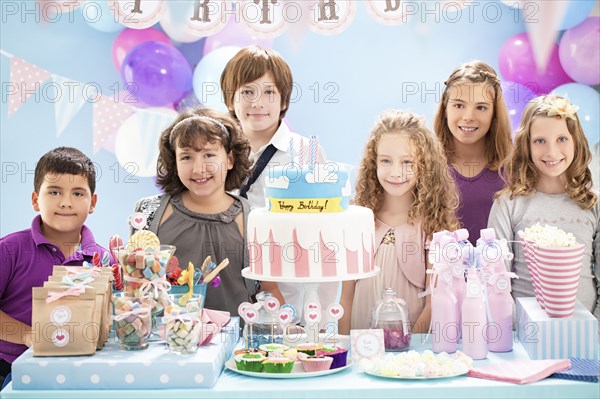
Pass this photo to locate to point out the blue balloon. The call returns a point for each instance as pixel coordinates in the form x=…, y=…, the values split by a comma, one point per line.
x=588, y=101
x=577, y=12
x=100, y=17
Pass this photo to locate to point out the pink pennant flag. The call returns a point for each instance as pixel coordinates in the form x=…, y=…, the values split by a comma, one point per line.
x=25, y=79
x=108, y=117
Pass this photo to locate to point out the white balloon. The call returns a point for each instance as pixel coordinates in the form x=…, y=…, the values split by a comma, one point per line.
x=207, y=77
x=136, y=146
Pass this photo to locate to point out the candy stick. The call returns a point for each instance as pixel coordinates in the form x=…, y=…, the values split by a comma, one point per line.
x=313, y=317
x=205, y=264
x=212, y=274
x=242, y=311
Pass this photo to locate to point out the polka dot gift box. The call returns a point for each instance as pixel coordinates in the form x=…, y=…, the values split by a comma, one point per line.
x=110, y=368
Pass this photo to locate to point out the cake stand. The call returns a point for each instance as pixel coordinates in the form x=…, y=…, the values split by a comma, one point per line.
x=309, y=284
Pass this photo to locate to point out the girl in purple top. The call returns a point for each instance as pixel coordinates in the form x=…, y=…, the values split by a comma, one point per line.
x=64, y=184
x=473, y=125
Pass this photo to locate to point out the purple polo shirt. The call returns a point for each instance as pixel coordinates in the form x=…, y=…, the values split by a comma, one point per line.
x=476, y=198
x=26, y=261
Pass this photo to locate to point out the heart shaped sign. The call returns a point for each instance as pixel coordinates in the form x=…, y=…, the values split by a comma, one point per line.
x=250, y=316
x=312, y=306
x=284, y=317
x=272, y=305
x=243, y=307
x=137, y=220
x=312, y=317
x=335, y=311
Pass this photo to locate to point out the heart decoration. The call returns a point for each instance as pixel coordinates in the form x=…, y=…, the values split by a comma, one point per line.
x=313, y=317
x=243, y=307
x=284, y=316
x=60, y=337
x=137, y=220
x=250, y=316
x=312, y=306
x=335, y=311
x=272, y=305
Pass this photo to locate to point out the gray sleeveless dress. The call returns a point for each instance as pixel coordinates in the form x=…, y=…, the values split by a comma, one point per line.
x=197, y=236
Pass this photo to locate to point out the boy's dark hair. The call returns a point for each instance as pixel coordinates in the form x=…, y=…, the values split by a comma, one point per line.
x=199, y=124
x=65, y=160
x=249, y=64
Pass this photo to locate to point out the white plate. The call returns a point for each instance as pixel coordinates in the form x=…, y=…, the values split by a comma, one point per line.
x=416, y=378
x=230, y=364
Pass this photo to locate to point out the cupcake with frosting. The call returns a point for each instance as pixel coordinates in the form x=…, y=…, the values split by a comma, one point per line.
x=338, y=354
x=310, y=348
x=316, y=363
x=250, y=361
x=280, y=365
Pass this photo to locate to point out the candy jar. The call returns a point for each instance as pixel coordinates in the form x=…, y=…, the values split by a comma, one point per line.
x=391, y=315
x=267, y=328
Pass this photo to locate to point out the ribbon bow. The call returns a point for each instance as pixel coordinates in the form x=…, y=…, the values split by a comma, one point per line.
x=399, y=303
x=79, y=280
x=141, y=312
x=73, y=291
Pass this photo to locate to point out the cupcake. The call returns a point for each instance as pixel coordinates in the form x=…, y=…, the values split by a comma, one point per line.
x=244, y=351
x=281, y=365
x=273, y=347
x=338, y=354
x=316, y=363
x=249, y=362
x=310, y=348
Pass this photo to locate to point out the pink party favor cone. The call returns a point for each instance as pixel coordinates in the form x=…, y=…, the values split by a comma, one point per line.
x=558, y=272
x=530, y=250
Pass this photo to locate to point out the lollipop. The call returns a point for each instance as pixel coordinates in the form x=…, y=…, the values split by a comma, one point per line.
x=335, y=312
x=144, y=239
x=272, y=306
x=249, y=314
x=312, y=318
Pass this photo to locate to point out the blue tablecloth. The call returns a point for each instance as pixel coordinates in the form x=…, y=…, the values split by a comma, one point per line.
x=350, y=383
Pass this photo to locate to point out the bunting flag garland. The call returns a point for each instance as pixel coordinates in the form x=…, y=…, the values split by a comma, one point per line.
x=66, y=106
x=25, y=80
x=108, y=116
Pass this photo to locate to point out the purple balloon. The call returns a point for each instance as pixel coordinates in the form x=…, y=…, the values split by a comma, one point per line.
x=516, y=97
x=579, y=51
x=156, y=74
x=517, y=64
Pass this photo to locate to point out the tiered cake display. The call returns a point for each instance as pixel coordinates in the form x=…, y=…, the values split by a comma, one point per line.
x=309, y=232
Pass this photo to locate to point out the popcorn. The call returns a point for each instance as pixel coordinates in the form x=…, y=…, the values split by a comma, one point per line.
x=411, y=364
x=548, y=236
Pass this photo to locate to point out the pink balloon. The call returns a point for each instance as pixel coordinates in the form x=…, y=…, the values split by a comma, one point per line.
x=517, y=64
x=234, y=34
x=579, y=51
x=129, y=38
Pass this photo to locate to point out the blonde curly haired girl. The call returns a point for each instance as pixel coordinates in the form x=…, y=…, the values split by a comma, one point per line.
x=404, y=179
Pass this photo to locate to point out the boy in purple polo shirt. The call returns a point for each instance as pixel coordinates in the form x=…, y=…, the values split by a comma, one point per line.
x=64, y=184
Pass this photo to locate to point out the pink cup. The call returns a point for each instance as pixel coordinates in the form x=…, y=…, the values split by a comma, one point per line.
x=558, y=273
x=530, y=250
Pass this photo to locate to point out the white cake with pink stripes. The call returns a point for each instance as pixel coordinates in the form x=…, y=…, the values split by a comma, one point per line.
x=300, y=236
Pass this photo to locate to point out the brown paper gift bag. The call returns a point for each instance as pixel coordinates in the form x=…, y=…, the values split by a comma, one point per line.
x=103, y=310
x=63, y=321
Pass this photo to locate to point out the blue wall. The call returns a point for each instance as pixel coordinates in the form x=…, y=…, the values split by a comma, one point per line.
x=360, y=72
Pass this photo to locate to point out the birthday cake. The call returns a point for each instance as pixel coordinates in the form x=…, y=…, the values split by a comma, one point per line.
x=308, y=230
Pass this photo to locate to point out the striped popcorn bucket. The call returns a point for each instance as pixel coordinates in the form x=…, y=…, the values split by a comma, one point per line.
x=558, y=273
x=530, y=250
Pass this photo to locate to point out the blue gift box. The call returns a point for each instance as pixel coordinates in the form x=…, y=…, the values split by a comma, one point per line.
x=545, y=337
x=111, y=368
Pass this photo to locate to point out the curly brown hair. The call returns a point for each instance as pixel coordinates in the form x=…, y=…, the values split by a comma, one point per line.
x=521, y=173
x=498, y=140
x=186, y=130
x=249, y=64
x=435, y=194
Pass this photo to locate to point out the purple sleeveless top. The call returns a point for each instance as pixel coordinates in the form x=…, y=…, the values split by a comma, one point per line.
x=476, y=198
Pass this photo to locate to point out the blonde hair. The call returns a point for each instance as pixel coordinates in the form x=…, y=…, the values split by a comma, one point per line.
x=498, y=138
x=521, y=173
x=435, y=194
